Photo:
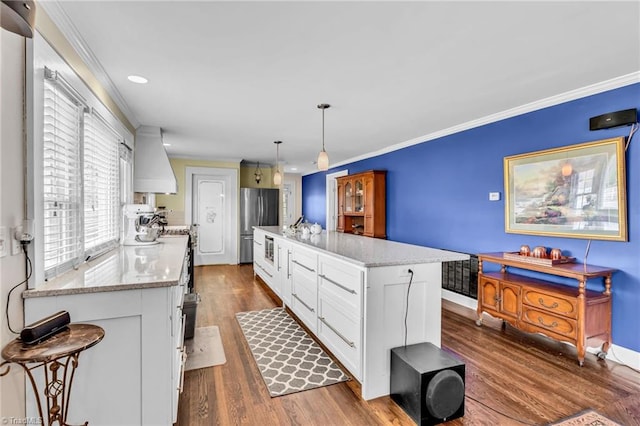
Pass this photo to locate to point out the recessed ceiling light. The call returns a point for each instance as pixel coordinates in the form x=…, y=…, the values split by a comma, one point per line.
x=166, y=144
x=294, y=169
x=137, y=79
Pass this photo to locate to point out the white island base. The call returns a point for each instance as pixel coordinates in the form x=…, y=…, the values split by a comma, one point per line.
x=352, y=293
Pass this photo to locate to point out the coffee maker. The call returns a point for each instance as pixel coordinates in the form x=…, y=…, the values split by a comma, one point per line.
x=138, y=228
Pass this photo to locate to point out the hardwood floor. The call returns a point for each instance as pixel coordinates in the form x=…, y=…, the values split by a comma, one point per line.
x=512, y=378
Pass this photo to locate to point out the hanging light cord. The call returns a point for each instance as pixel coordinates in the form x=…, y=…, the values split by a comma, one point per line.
x=29, y=272
x=323, y=129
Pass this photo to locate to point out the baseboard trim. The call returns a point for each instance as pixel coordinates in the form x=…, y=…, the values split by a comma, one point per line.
x=616, y=353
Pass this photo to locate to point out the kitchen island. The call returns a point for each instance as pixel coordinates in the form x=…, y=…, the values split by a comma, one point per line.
x=353, y=293
x=135, y=294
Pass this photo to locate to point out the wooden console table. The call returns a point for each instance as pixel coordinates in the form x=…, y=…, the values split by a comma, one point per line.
x=562, y=312
x=58, y=355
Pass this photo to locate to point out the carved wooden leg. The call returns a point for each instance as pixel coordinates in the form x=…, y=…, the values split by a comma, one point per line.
x=503, y=326
x=580, y=338
x=479, y=308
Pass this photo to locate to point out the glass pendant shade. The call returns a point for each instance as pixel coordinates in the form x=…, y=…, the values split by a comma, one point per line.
x=323, y=157
x=323, y=160
x=277, y=177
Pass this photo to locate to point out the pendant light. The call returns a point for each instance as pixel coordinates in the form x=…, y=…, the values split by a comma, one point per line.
x=258, y=173
x=323, y=157
x=277, y=177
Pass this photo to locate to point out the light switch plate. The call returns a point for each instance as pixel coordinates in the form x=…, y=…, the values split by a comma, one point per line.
x=494, y=196
x=4, y=241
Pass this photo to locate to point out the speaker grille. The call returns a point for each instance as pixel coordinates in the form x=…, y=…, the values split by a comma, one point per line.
x=445, y=394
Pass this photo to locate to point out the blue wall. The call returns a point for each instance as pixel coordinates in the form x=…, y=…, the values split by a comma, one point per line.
x=438, y=193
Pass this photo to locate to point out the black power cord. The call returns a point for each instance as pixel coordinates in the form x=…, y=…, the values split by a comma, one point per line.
x=406, y=311
x=29, y=272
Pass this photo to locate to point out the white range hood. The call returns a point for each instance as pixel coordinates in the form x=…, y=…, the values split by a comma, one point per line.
x=152, y=171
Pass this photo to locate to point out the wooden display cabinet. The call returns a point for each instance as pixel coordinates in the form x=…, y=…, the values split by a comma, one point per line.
x=362, y=204
x=562, y=312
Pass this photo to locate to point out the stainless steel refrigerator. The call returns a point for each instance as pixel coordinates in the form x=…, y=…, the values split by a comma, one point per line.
x=258, y=207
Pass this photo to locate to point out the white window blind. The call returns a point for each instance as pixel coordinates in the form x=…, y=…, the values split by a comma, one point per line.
x=62, y=176
x=82, y=175
x=101, y=184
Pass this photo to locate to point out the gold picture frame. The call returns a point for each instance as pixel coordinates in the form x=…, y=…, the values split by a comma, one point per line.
x=576, y=191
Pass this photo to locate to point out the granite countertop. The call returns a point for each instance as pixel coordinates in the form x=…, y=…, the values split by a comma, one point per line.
x=124, y=268
x=366, y=251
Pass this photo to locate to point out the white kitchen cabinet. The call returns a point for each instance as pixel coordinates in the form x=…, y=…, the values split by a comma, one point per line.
x=138, y=367
x=264, y=257
x=340, y=293
x=353, y=294
x=283, y=269
x=304, y=286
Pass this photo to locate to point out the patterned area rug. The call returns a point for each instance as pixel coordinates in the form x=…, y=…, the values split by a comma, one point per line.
x=288, y=359
x=586, y=418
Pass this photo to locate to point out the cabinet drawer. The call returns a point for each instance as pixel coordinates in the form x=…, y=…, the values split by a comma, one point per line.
x=304, y=304
x=177, y=298
x=266, y=272
x=341, y=281
x=555, y=304
x=304, y=262
x=341, y=333
x=546, y=321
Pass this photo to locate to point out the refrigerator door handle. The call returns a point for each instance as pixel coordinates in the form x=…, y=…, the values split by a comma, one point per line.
x=260, y=209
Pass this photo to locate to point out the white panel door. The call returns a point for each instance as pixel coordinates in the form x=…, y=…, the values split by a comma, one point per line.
x=212, y=211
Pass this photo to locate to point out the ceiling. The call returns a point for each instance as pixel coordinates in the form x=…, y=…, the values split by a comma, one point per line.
x=228, y=78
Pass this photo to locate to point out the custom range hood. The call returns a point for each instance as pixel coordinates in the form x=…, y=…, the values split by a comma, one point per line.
x=152, y=171
x=18, y=16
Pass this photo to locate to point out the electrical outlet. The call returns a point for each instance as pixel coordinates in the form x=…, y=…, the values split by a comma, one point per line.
x=15, y=244
x=404, y=272
x=4, y=241
x=494, y=196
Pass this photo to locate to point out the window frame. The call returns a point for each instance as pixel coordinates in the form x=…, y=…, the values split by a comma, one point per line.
x=39, y=55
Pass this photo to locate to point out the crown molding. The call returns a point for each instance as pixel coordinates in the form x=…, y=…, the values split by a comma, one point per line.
x=60, y=18
x=593, y=89
x=204, y=158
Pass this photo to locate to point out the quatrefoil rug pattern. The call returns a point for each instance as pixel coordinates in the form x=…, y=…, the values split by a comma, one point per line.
x=288, y=359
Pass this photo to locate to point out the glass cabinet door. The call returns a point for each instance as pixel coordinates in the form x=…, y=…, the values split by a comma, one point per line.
x=358, y=196
x=348, y=197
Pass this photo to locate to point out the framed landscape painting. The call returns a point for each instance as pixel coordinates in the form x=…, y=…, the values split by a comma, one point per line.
x=576, y=191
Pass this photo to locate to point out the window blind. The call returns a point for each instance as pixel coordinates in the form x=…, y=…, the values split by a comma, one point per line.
x=101, y=146
x=62, y=178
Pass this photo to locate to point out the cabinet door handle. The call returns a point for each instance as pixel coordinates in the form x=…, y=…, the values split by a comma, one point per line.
x=288, y=271
x=279, y=251
x=304, y=266
x=183, y=365
x=257, y=242
x=552, y=306
x=497, y=298
x=350, y=343
x=552, y=325
x=347, y=289
x=301, y=301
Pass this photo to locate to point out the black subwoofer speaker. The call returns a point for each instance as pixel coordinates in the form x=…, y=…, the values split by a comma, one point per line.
x=428, y=383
